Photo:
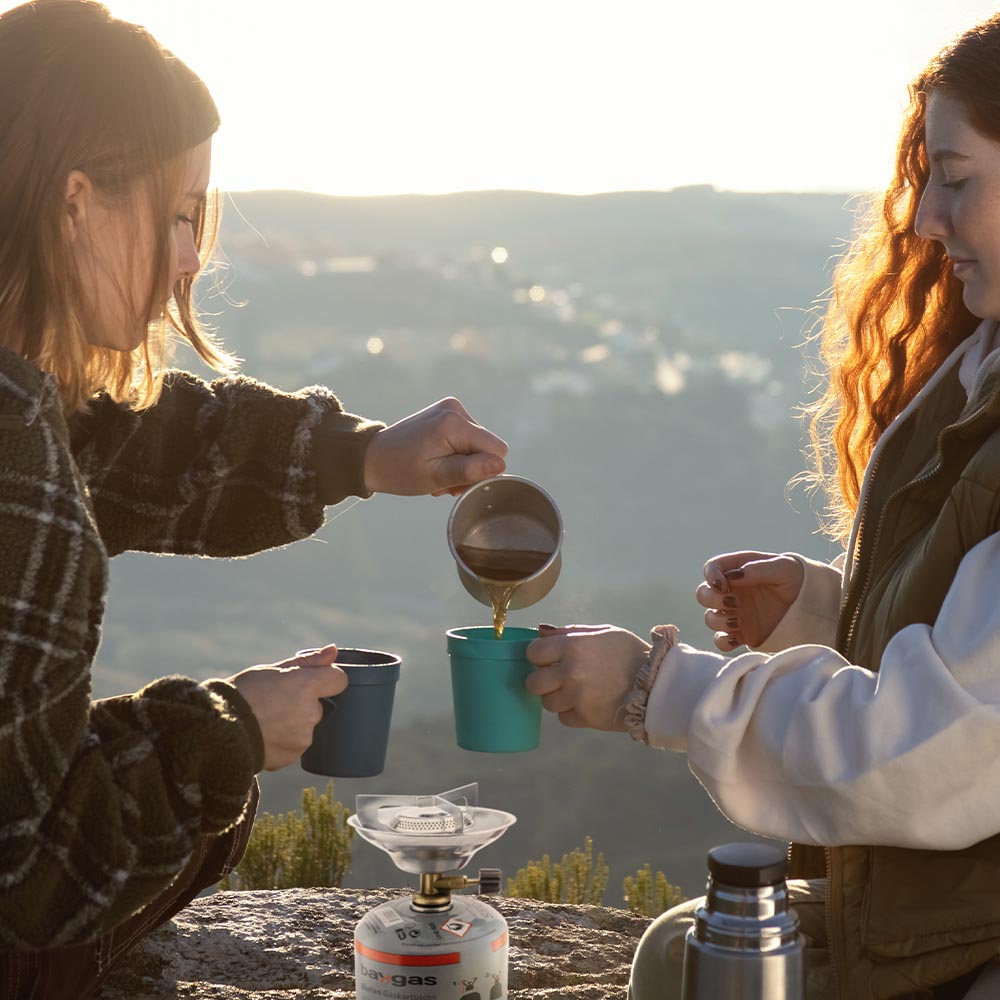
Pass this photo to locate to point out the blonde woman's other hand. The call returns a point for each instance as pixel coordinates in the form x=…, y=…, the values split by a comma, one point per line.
x=438, y=450
x=285, y=698
x=584, y=673
x=746, y=594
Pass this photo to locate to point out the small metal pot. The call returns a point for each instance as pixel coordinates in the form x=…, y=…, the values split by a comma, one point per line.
x=508, y=513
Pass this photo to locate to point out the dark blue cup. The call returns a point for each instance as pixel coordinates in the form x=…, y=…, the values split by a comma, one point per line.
x=351, y=739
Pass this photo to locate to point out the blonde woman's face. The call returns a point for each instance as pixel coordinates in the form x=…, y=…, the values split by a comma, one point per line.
x=115, y=248
x=960, y=207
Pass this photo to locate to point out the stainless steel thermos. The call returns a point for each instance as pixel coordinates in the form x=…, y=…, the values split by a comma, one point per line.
x=745, y=943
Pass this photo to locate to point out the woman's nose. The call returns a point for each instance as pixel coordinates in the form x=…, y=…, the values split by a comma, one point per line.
x=932, y=221
x=188, y=261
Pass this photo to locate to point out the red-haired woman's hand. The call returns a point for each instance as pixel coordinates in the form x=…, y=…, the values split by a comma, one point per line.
x=584, y=673
x=746, y=594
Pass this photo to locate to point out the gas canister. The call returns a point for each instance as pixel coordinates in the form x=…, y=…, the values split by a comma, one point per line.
x=433, y=945
x=404, y=954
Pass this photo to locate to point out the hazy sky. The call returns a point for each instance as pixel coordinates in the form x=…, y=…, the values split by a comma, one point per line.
x=386, y=96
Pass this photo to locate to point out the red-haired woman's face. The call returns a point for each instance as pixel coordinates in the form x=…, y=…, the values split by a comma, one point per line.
x=960, y=207
x=114, y=251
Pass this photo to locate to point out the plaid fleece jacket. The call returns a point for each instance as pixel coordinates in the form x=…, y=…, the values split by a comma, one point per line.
x=101, y=803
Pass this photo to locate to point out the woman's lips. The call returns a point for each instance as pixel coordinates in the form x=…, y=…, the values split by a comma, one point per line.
x=960, y=266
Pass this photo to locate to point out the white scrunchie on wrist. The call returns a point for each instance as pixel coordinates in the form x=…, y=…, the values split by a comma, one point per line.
x=662, y=637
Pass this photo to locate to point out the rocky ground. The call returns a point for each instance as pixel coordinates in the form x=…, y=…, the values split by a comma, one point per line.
x=298, y=943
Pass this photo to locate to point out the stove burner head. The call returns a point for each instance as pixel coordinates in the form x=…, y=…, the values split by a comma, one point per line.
x=425, y=820
x=429, y=833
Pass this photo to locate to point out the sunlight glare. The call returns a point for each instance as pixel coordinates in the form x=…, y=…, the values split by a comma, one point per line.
x=388, y=96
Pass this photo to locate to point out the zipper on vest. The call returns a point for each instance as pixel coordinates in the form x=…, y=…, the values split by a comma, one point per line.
x=828, y=919
x=828, y=913
x=856, y=612
x=868, y=571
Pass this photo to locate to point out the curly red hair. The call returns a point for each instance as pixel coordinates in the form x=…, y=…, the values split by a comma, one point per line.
x=896, y=309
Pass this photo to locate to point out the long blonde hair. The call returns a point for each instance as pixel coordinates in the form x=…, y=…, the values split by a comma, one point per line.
x=82, y=90
x=896, y=311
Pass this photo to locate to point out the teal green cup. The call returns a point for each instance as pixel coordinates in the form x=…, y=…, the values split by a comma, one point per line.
x=351, y=739
x=493, y=711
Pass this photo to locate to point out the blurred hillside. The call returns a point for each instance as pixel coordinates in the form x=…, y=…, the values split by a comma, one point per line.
x=640, y=353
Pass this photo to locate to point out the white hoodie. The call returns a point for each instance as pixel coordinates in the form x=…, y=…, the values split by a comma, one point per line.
x=801, y=745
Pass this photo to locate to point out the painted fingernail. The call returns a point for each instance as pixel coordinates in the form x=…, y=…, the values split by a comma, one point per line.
x=733, y=642
x=732, y=622
x=734, y=574
x=545, y=625
x=715, y=584
x=729, y=601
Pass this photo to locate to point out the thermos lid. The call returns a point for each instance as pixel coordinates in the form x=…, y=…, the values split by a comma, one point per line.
x=748, y=865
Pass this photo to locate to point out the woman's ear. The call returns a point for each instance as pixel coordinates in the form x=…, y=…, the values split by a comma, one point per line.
x=79, y=192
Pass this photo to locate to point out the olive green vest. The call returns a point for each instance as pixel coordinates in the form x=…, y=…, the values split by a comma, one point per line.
x=903, y=921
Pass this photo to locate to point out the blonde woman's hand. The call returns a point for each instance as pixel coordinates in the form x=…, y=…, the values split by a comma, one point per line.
x=285, y=698
x=438, y=450
x=584, y=673
x=746, y=594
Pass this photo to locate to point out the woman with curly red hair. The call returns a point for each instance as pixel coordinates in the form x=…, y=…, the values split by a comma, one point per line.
x=864, y=723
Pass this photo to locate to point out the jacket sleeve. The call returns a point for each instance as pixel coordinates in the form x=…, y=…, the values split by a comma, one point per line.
x=812, y=616
x=802, y=745
x=221, y=469
x=102, y=802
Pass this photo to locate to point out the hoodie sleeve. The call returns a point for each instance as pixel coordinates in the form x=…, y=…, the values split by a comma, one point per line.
x=804, y=746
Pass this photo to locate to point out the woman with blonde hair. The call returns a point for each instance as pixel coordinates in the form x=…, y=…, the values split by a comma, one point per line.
x=864, y=724
x=116, y=813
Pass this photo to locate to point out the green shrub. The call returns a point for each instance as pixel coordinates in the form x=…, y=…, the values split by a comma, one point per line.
x=578, y=878
x=305, y=849
x=650, y=894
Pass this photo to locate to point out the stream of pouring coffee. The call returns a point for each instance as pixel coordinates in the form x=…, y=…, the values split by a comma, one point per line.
x=501, y=571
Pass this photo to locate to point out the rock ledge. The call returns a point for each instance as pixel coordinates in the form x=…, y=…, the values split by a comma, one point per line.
x=280, y=944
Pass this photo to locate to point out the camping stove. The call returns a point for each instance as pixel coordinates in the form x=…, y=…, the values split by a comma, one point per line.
x=432, y=946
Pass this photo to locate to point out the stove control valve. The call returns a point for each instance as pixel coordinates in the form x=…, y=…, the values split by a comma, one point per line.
x=489, y=881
